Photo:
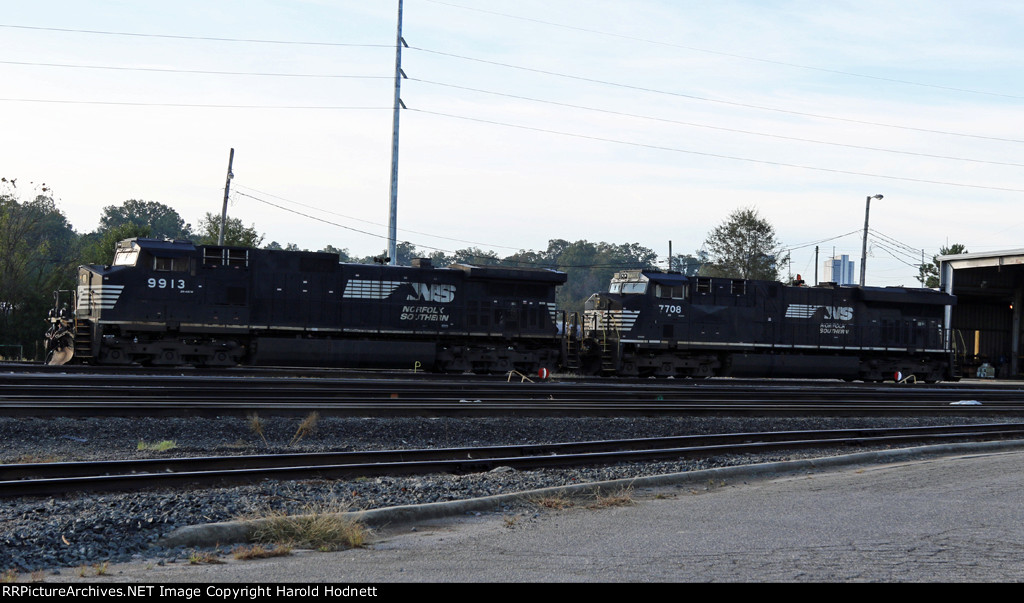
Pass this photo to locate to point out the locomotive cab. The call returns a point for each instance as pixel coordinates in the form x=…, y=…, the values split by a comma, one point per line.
x=642, y=309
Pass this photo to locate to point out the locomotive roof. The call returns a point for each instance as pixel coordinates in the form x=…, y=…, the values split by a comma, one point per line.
x=511, y=273
x=161, y=247
x=902, y=295
x=664, y=278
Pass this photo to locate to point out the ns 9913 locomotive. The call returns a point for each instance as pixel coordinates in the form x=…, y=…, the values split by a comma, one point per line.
x=172, y=302
x=664, y=324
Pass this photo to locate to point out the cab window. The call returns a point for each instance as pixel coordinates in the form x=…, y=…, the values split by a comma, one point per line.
x=670, y=292
x=170, y=264
x=634, y=288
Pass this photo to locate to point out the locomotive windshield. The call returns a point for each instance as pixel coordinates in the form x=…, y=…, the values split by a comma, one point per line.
x=628, y=288
x=126, y=256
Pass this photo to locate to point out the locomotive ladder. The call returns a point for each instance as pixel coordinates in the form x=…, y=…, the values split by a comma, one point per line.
x=83, y=340
x=608, y=364
x=572, y=341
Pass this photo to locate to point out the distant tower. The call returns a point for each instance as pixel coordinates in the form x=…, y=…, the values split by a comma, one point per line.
x=839, y=270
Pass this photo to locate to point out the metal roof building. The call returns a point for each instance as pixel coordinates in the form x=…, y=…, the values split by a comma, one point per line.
x=990, y=299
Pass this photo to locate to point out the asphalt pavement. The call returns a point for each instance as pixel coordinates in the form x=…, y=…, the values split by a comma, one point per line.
x=950, y=513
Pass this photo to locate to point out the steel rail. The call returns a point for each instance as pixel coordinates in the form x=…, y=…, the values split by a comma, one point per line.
x=42, y=479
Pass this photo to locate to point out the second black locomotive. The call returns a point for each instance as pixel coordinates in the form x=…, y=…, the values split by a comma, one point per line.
x=652, y=323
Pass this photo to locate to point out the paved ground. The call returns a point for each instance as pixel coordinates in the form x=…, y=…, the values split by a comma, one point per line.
x=895, y=517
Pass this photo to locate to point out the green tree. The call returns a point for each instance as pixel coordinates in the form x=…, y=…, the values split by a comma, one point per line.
x=163, y=221
x=475, y=256
x=686, y=264
x=744, y=246
x=404, y=251
x=928, y=274
x=235, y=232
x=98, y=248
x=343, y=255
x=38, y=255
x=590, y=266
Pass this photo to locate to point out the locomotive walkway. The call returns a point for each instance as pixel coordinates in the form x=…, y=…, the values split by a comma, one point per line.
x=940, y=513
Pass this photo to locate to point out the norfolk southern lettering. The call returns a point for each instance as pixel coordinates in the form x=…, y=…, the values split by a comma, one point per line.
x=432, y=292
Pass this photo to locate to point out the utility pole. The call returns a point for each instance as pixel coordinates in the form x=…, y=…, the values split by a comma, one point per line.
x=227, y=190
x=393, y=217
x=815, y=265
x=864, y=248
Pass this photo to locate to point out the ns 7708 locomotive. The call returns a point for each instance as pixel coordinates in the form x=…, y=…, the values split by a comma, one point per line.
x=173, y=303
x=663, y=324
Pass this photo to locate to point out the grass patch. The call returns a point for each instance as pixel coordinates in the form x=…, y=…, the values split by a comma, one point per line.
x=256, y=426
x=9, y=576
x=307, y=427
x=622, y=498
x=258, y=551
x=198, y=557
x=322, y=530
x=555, y=501
x=157, y=446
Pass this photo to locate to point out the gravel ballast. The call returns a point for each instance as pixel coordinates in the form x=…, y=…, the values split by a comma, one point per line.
x=81, y=530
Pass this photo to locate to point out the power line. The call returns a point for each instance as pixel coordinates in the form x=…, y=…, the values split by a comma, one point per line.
x=505, y=95
x=505, y=261
x=884, y=246
x=426, y=234
x=716, y=155
x=304, y=215
x=192, y=71
x=813, y=243
x=721, y=128
x=186, y=105
x=712, y=100
x=727, y=54
x=203, y=38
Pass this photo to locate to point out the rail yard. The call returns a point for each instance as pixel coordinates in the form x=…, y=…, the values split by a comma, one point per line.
x=68, y=419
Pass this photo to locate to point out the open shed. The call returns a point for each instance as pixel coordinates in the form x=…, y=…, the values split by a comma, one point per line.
x=986, y=319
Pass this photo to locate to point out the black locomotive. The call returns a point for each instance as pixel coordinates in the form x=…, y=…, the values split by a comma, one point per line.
x=172, y=303
x=666, y=324
x=175, y=303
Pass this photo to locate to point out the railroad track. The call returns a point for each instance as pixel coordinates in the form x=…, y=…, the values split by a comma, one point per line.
x=102, y=394
x=47, y=479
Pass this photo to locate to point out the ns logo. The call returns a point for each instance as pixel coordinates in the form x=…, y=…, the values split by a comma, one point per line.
x=432, y=292
x=838, y=313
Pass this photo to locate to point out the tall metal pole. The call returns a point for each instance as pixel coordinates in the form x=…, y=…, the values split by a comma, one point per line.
x=815, y=265
x=393, y=219
x=227, y=190
x=864, y=247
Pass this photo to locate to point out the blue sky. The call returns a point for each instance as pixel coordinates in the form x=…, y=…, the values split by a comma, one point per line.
x=643, y=121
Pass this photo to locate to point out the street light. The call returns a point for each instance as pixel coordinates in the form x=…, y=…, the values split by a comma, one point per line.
x=864, y=248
